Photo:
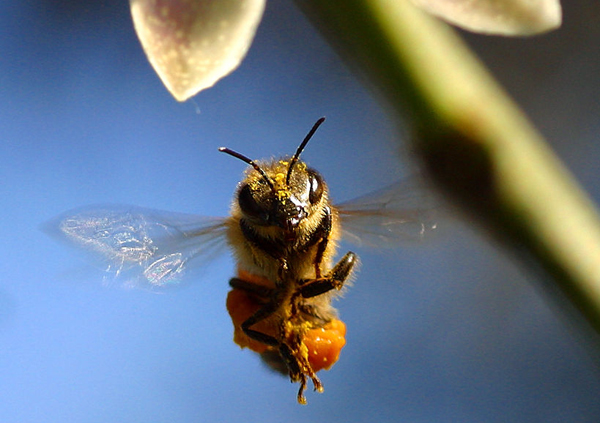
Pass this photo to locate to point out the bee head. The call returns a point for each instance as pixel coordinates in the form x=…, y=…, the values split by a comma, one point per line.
x=280, y=193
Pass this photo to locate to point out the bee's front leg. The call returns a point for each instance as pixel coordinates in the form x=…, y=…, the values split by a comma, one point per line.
x=334, y=279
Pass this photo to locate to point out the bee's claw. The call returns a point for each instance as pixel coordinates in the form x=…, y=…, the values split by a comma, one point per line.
x=317, y=384
x=301, y=397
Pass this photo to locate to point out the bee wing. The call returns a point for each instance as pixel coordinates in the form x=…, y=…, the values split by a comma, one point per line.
x=138, y=246
x=403, y=212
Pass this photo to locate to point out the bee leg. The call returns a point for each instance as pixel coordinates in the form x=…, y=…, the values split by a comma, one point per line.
x=299, y=368
x=301, y=397
x=288, y=348
x=253, y=288
x=258, y=316
x=334, y=279
x=261, y=314
x=292, y=363
x=323, y=233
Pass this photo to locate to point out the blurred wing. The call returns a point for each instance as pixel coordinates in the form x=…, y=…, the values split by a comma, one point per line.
x=138, y=246
x=403, y=212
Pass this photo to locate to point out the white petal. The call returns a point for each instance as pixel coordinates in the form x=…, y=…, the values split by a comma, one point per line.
x=502, y=17
x=193, y=43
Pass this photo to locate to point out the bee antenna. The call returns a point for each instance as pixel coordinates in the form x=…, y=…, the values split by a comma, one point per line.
x=250, y=162
x=301, y=147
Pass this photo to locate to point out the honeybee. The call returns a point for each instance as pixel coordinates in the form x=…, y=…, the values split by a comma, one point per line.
x=283, y=231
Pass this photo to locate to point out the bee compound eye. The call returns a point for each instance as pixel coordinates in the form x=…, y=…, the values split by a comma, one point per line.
x=315, y=187
x=250, y=207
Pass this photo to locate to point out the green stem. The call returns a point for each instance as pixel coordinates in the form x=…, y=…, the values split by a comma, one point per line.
x=478, y=146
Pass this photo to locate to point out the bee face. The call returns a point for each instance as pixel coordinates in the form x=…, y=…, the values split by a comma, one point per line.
x=279, y=201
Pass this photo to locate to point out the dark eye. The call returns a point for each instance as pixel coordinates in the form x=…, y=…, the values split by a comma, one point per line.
x=316, y=187
x=249, y=205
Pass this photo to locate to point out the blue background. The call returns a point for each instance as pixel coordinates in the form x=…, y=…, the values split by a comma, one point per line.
x=450, y=330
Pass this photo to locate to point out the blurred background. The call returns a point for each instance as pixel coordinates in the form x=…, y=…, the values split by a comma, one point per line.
x=448, y=330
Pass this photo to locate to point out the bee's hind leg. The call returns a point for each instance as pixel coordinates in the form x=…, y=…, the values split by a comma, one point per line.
x=297, y=369
x=334, y=279
x=297, y=366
